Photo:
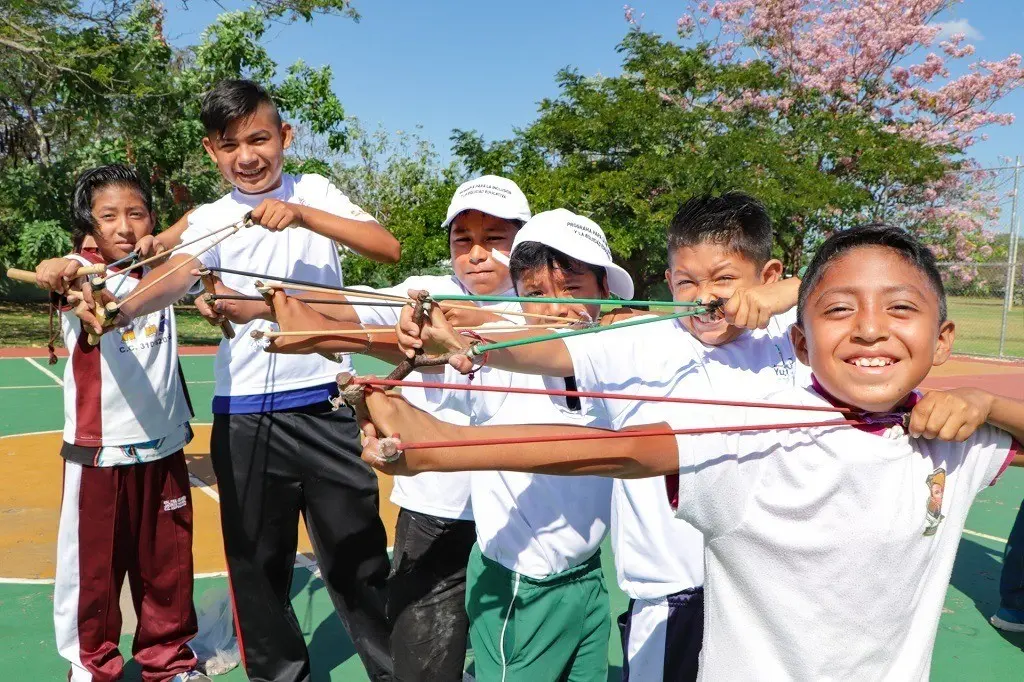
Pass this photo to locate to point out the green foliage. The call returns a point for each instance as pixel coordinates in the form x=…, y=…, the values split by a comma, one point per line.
x=87, y=84
x=628, y=150
x=41, y=239
x=397, y=178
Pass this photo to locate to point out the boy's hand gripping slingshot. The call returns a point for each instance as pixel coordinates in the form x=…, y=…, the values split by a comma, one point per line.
x=108, y=314
x=353, y=395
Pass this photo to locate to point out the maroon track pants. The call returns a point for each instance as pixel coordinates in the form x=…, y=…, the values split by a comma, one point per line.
x=134, y=520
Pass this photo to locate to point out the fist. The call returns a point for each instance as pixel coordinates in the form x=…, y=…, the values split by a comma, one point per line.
x=277, y=215
x=950, y=415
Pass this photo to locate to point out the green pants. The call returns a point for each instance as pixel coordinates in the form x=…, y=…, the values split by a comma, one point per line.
x=555, y=628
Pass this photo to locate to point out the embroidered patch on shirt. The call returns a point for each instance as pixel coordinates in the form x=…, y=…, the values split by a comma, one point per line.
x=936, y=482
x=176, y=503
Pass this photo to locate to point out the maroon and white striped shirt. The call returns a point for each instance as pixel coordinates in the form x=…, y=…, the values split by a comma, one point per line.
x=124, y=400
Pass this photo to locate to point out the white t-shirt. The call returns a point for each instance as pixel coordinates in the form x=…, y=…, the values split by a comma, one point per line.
x=445, y=495
x=248, y=379
x=125, y=392
x=655, y=555
x=828, y=550
x=532, y=524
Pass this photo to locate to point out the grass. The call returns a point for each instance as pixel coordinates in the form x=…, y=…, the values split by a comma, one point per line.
x=27, y=324
x=978, y=323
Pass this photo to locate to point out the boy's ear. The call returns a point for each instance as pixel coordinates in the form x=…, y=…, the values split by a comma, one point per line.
x=668, y=281
x=771, y=272
x=944, y=344
x=799, y=341
x=208, y=146
x=286, y=135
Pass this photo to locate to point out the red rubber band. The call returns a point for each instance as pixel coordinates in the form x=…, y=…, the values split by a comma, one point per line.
x=597, y=394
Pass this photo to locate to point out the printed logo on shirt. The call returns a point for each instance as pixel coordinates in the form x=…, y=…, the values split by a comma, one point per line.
x=176, y=503
x=936, y=482
x=784, y=367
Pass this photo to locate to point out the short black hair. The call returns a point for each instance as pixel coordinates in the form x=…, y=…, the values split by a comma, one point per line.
x=873, y=234
x=232, y=99
x=529, y=256
x=91, y=181
x=734, y=219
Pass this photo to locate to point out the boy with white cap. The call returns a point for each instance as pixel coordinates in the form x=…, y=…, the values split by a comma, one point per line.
x=537, y=601
x=435, y=531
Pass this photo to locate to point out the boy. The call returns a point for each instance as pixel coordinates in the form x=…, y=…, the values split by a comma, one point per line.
x=277, y=447
x=126, y=504
x=435, y=531
x=536, y=569
x=822, y=560
x=718, y=247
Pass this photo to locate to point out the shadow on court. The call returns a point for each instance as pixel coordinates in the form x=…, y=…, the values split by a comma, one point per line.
x=976, y=574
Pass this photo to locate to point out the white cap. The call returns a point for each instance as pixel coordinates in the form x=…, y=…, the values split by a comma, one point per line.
x=490, y=194
x=580, y=238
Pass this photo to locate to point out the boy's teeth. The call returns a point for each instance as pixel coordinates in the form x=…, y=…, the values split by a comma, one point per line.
x=872, y=362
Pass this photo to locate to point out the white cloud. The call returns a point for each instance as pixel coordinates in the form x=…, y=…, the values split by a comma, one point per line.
x=948, y=28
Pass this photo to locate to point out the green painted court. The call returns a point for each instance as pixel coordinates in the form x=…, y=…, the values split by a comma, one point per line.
x=30, y=406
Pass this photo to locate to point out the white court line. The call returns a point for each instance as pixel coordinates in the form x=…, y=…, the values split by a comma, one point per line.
x=16, y=388
x=45, y=371
x=985, y=535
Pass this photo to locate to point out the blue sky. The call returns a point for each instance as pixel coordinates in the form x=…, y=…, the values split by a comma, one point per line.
x=484, y=65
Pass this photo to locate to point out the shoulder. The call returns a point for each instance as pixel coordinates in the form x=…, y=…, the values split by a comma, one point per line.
x=209, y=215
x=311, y=182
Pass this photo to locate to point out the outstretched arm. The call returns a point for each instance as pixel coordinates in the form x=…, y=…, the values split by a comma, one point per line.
x=629, y=457
x=436, y=336
x=293, y=315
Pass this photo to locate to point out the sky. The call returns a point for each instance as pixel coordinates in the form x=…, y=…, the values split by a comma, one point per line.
x=484, y=65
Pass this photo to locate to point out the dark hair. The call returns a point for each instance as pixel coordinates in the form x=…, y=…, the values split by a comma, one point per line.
x=734, y=219
x=91, y=181
x=230, y=100
x=532, y=255
x=874, y=234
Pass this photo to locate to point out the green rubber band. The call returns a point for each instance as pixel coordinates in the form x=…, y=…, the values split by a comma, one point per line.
x=480, y=349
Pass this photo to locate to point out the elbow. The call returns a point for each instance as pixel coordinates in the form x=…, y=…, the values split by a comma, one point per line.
x=393, y=253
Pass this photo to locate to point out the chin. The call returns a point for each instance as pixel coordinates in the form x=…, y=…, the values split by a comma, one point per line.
x=880, y=397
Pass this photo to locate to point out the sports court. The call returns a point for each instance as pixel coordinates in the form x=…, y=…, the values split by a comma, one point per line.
x=31, y=416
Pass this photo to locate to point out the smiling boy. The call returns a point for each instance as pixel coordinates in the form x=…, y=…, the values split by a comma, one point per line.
x=435, y=532
x=277, y=447
x=718, y=247
x=820, y=559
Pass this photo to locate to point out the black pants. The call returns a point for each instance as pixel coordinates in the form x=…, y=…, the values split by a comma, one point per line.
x=270, y=468
x=427, y=597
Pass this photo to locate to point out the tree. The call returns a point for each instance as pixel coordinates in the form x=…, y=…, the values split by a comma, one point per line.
x=680, y=122
x=80, y=87
x=882, y=60
x=397, y=178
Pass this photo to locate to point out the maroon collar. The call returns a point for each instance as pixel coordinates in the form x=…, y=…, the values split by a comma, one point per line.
x=875, y=423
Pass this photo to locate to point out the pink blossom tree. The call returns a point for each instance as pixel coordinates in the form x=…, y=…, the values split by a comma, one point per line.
x=883, y=59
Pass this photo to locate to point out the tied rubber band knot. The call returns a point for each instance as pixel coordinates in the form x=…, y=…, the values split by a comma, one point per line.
x=479, y=364
x=901, y=419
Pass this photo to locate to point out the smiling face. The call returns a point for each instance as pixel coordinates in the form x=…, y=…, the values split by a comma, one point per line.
x=871, y=328
x=121, y=219
x=250, y=152
x=555, y=282
x=472, y=237
x=710, y=270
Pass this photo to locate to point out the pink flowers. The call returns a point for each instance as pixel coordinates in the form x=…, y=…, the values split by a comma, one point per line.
x=881, y=58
